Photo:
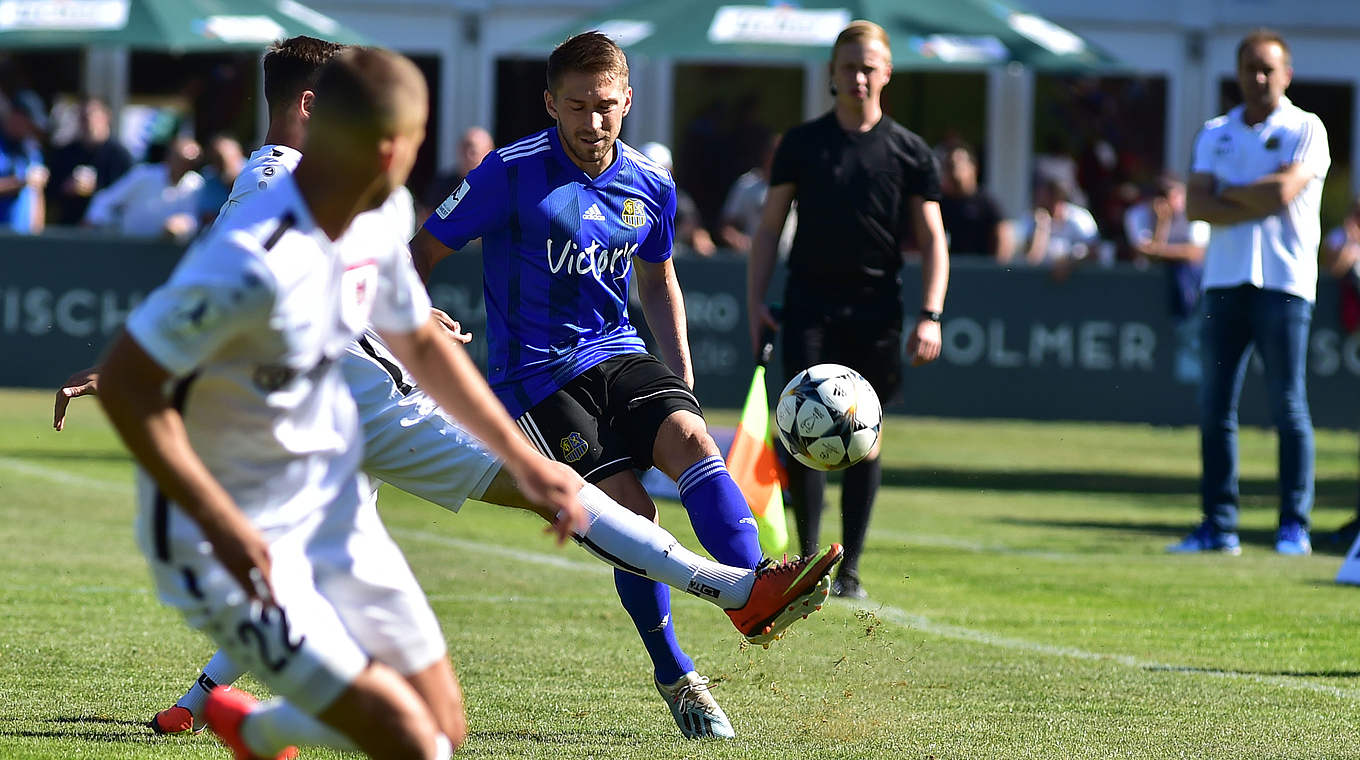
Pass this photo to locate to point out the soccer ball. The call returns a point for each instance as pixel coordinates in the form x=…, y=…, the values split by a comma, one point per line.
x=828, y=417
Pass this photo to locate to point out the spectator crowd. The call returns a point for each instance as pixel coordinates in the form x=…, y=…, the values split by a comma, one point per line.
x=65, y=167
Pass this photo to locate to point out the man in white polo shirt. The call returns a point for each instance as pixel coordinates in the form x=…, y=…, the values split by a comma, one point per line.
x=1257, y=179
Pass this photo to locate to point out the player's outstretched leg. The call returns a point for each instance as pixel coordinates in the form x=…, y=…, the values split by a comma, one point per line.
x=761, y=603
x=785, y=592
x=187, y=714
x=717, y=509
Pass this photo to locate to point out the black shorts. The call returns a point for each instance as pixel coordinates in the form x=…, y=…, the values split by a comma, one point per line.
x=871, y=347
x=605, y=420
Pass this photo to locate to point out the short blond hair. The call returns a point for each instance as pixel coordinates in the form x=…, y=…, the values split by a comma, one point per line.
x=863, y=32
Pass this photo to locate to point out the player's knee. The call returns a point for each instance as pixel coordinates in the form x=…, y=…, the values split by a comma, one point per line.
x=385, y=717
x=411, y=738
x=682, y=441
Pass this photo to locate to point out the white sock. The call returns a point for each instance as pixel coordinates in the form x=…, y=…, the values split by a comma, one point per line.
x=220, y=671
x=277, y=724
x=633, y=543
x=443, y=748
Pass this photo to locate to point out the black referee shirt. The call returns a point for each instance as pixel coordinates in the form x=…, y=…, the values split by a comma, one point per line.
x=852, y=191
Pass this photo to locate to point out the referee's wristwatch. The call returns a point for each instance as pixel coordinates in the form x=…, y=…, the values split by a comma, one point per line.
x=933, y=316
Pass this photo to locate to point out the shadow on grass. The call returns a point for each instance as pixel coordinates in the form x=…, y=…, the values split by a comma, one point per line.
x=1280, y=673
x=1330, y=490
x=571, y=737
x=119, y=730
x=1323, y=541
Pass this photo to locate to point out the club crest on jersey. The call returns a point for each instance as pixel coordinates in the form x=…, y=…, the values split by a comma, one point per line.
x=573, y=447
x=358, y=286
x=451, y=202
x=634, y=213
x=198, y=313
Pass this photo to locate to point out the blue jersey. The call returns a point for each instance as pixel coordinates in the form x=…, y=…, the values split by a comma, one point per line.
x=557, y=250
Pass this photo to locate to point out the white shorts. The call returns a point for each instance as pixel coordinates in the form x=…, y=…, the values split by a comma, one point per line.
x=409, y=441
x=343, y=590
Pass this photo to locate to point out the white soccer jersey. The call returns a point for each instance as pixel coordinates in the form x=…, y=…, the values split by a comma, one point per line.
x=253, y=321
x=269, y=163
x=408, y=440
x=1277, y=252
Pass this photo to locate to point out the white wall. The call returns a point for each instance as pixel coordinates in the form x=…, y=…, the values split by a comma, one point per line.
x=1159, y=36
x=468, y=35
x=1155, y=36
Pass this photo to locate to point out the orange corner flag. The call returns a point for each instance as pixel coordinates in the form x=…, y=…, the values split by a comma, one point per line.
x=754, y=466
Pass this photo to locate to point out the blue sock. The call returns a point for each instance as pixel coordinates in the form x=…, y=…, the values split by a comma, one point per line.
x=719, y=513
x=649, y=604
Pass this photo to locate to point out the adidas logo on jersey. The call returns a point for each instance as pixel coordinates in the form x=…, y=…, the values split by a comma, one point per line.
x=593, y=214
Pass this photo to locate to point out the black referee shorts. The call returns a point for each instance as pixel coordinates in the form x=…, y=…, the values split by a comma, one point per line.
x=605, y=420
x=871, y=347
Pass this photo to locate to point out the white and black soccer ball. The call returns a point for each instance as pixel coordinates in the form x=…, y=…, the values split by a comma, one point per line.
x=828, y=417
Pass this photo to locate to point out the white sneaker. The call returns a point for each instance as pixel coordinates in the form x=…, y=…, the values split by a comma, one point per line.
x=694, y=709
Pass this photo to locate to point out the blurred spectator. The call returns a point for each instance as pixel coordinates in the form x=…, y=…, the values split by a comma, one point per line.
x=972, y=217
x=1159, y=229
x=1058, y=230
x=153, y=200
x=1341, y=250
x=746, y=199
x=473, y=146
x=85, y=165
x=222, y=163
x=22, y=174
x=1341, y=256
x=1056, y=164
x=689, y=227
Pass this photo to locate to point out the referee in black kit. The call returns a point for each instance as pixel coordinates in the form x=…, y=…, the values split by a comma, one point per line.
x=861, y=181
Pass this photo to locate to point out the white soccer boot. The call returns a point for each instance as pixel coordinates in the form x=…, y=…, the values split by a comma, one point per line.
x=694, y=709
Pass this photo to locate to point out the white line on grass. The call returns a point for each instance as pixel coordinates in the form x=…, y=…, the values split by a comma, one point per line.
x=887, y=612
x=518, y=555
x=922, y=624
x=63, y=476
x=945, y=630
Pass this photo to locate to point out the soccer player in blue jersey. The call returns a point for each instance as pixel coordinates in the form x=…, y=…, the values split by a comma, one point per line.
x=565, y=217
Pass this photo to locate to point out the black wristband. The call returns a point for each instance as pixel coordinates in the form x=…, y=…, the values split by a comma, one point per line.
x=933, y=316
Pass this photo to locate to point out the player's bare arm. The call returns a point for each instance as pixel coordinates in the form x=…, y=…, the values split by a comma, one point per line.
x=452, y=327
x=82, y=383
x=448, y=375
x=760, y=264
x=664, y=307
x=924, y=343
x=1272, y=192
x=131, y=393
x=1201, y=202
x=426, y=251
x=1005, y=242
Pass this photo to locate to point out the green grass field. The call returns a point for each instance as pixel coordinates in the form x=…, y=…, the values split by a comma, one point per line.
x=1021, y=608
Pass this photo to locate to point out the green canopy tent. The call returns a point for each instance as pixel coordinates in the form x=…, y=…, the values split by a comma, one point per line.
x=926, y=34
x=173, y=26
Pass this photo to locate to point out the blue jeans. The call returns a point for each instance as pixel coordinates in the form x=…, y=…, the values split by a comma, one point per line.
x=1276, y=324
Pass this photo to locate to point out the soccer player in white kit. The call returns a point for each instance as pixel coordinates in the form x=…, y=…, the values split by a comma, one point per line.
x=258, y=528
x=412, y=444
